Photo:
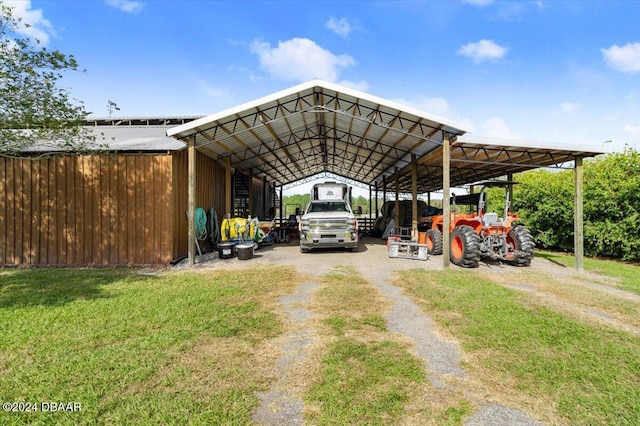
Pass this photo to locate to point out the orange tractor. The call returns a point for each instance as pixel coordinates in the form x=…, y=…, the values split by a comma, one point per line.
x=481, y=234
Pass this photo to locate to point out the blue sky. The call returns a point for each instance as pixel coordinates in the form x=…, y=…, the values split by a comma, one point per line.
x=557, y=71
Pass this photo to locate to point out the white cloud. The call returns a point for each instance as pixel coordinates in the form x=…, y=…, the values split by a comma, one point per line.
x=570, y=106
x=339, y=26
x=467, y=124
x=496, y=127
x=479, y=3
x=625, y=58
x=540, y=4
x=129, y=6
x=211, y=91
x=483, y=50
x=300, y=59
x=438, y=106
x=361, y=85
x=632, y=130
x=39, y=28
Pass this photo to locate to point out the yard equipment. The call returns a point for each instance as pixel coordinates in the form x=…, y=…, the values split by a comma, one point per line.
x=239, y=229
x=268, y=229
x=481, y=234
x=293, y=221
x=292, y=226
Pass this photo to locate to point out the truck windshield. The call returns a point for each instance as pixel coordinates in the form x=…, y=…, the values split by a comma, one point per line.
x=327, y=206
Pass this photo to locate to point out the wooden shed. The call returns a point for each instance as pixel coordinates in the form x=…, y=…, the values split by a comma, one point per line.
x=124, y=207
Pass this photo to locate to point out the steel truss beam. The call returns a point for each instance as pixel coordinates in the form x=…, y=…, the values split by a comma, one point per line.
x=327, y=131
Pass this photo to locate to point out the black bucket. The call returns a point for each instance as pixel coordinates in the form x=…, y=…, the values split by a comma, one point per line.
x=225, y=250
x=244, y=251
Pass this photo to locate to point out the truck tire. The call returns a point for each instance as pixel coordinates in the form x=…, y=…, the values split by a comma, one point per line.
x=434, y=241
x=465, y=247
x=521, y=240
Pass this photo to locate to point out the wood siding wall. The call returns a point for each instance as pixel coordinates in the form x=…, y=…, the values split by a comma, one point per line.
x=86, y=210
x=261, y=205
x=210, y=186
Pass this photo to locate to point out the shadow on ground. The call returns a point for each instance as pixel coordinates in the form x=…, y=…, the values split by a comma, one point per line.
x=55, y=287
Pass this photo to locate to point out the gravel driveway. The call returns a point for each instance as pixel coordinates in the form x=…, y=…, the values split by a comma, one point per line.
x=441, y=357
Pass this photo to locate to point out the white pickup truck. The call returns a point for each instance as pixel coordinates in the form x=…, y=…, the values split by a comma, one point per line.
x=328, y=223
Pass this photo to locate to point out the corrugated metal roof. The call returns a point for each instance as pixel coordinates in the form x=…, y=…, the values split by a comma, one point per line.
x=475, y=159
x=319, y=127
x=143, y=138
x=140, y=121
x=134, y=138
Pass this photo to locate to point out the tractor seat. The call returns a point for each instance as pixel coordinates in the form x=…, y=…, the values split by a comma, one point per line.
x=490, y=219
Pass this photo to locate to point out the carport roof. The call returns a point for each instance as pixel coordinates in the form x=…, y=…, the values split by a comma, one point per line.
x=475, y=159
x=319, y=127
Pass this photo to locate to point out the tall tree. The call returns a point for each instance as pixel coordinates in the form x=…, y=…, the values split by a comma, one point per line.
x=34, y=111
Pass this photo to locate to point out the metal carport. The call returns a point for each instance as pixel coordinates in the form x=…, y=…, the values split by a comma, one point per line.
x=319, y=127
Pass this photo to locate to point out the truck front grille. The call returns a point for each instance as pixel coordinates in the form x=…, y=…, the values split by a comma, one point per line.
x=329, y=224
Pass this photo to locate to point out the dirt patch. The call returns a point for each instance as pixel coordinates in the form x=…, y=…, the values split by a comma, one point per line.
x=282, y=404
x=498, y=415
x=442, y=357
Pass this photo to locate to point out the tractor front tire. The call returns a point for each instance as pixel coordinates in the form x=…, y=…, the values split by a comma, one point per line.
x=434, y=241
x=465, y=247
x=522, y=241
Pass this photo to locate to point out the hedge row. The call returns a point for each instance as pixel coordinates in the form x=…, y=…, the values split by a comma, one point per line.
x=611, y=206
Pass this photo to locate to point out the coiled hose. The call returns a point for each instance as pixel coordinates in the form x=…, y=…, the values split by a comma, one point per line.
x=200, y=221
x=215, y=228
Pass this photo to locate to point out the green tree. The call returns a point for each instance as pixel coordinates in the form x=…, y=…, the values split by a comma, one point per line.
x=33, y=109
x=291, y=202
x=544, y=199
x=611, y=206
x=361, y=201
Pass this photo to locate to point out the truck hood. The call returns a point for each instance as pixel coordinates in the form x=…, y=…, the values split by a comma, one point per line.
x=327, y=215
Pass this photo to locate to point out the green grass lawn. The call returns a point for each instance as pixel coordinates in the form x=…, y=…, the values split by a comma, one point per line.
x=135, y=349
x=189, y=348
x=576, y=372
x=627, y=273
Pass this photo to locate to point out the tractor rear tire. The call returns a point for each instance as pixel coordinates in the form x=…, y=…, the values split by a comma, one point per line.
x=523, y=245
x=465, y=247
x=434, y=241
